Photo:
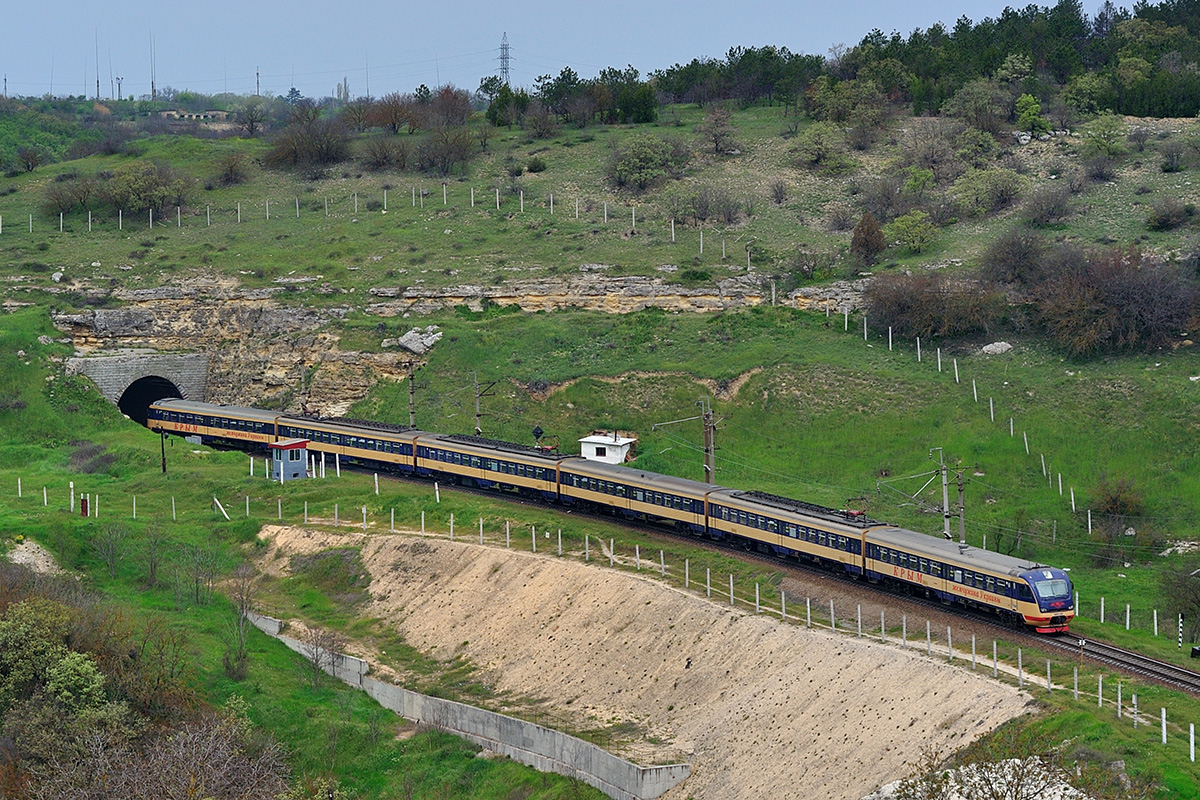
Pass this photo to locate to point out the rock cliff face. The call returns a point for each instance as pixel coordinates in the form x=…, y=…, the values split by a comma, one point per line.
x=613, y=295
x=260, y=353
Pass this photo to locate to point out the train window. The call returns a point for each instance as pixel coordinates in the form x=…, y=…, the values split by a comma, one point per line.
x=772, y=526
x=620, y=491
x=991, y=584
x=821, y=538
x=678, y=503
x=492, y=465
x=924, y=565
x=958, y=576
x=935, y=570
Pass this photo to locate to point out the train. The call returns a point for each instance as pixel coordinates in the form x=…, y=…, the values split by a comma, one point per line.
x=1019, y=591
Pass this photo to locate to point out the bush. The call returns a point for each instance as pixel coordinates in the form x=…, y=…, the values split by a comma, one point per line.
x=536, y=164
x=868, y=240
x=232, y=168
x=929, y=304
x=1015, y=256
x=1172, y=152
x=143, y=186
x=915, y=232
x=385, y=153
x=1048, y=205
x=1116, y=300
x=316, y=143
x=1168, y=213
x=980, y=191
x=644, y=161
x=1100, y=168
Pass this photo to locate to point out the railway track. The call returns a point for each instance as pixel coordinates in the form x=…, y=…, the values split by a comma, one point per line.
x=1129, y=662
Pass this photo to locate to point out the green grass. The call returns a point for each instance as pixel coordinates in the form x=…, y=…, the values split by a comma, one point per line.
x=449, y=244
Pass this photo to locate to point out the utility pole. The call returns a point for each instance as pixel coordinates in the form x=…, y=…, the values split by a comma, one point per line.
x=710, y=431
x=709, y=421
x=962, y=510
x=412, y=395
x=945, y=491
x=485, y=392
x=118, y=79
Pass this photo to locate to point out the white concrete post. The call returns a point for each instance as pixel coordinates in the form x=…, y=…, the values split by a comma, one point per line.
x=662, y=562
x=305, y=512
x=731, y=588
x=808, y=612
x=1020, y=670
x=173, y=517
x=1075, y=684
x=757, y=610
x=949, y=646
x=995, y=662
x=336, y=521
x=507, y=534
x=708, y=581
x=452, y=527
x=376, y=483
x=533, y=536
x=928, y=639
x=956, y=370
x=135, y=506
x=782, y=604
x=832, y=617
x=364, y=515
x=422, y=523
x=858, y=619
x=337, y=464
x=637, y=557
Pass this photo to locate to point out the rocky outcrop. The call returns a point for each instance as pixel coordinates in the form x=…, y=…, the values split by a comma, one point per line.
x=259, y=352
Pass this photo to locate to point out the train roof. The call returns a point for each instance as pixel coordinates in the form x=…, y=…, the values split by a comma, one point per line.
x=801, y=508
x=638, y=477
x=484, y=446
x=950, y=551
x=347, y=422
x=193, y=407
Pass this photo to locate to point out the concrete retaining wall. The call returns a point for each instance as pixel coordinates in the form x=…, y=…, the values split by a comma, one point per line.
x=526, y=742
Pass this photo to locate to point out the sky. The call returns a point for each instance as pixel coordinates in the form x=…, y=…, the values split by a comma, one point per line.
x=380, y=46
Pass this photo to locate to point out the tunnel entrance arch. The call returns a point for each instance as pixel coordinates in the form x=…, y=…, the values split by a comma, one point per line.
x=136, y=399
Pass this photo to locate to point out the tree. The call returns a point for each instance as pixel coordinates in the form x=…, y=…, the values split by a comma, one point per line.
x=251, y=116
x=322, y=648
x=867, y=241
x=1105, y=136
x=717, y=128
x=981, y=103
x=1029, y=115
x=1180, y=584
x=357, y=114
x=29, y=157
x=243, y=590
x=109, y=546
x=914, y=231
x=489, y=87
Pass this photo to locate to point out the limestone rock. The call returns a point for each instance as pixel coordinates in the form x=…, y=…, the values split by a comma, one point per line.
x=419, y=341
x=997, y=348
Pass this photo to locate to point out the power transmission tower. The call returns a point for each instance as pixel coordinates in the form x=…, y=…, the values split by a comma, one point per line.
x=485, y=392
x=505, y=59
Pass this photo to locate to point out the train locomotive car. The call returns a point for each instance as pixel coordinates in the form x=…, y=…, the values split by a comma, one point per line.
x=1017, y=590
x=247, y=428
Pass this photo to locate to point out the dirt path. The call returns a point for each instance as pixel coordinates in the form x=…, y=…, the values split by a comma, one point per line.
x=759, y=708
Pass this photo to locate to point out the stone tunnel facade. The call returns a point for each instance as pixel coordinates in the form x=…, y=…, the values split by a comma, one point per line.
x=113, y=374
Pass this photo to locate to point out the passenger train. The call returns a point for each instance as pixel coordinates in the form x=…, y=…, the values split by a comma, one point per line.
x=1018, y=590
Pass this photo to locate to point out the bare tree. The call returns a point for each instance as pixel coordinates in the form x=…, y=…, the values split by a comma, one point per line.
x=109, y=546
x=242, y=591
x=357, y=114
x=154, y=544
x=200, y=567
x=323, y=649
x=251, y=116
x=717, y=128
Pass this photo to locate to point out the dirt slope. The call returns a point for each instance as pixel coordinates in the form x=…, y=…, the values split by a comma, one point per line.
x=760, y=709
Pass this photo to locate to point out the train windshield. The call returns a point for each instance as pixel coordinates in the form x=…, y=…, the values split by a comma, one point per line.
x=1047, y=586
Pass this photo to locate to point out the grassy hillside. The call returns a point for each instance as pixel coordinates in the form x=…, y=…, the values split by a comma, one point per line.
x=806, y=408
x=455, y=243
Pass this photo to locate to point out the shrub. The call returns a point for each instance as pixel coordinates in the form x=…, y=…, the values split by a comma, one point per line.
x=1168, y=213
x=778, y=192
x=1172, y=152
x=1048, y=205
x=316, y=143
x=1100, y=168
x=536, y=164
x=644, y=161
x=929, y=304
x=1116, y=300
x=232, y=168
x=868, y=240
x=1015, y=256
x=980, y=191
x=382, y=153
x=143, y=186
x=840, y=215
x=915, y=232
